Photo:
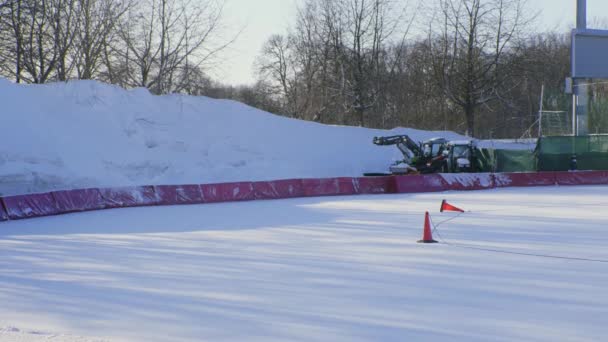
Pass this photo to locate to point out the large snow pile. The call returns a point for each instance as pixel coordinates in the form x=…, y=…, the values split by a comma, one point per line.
x=88, y=134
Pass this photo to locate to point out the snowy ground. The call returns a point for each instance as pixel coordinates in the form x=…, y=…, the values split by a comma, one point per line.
x=314, y=269
x=88, y=134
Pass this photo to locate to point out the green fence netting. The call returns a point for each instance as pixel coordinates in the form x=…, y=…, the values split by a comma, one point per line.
x=495, y=160
x=555, y=153
x=515, y=161
x=485, y=159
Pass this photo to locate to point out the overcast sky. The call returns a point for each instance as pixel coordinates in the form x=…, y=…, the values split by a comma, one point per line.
x=261, y=18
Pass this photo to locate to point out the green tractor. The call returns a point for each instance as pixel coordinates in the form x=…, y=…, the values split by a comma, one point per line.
x=431, y=156
x=425, y=157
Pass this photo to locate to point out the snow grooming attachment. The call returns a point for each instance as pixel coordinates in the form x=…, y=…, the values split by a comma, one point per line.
x=427, y=236
x=445, y=206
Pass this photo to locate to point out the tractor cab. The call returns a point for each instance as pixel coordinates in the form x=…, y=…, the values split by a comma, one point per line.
x=461, y=156
x=433, y=147
x=433, y=156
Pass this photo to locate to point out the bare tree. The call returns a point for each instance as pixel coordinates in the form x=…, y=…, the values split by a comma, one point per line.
x=470, y=41
x=40, y=35
x=36, y=39
x=164, y=38
x=97, y=23
x=11, y=39
x=64, y=28
x=333, y=60
x=276, y=63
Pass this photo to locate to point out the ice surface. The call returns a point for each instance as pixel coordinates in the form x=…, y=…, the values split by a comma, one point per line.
x=315, y=269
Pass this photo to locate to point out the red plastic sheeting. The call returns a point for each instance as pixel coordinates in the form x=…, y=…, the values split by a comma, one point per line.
x=57, y=202
x=468, y=181
x=78, y=200
x=420, y=183
x=374, y=185
x=31, y=205
x=288, y=188
x=125, y=197
x=228, y=192
x=346, y=186
x=582, y=178
x=328, y=186
x=3, y=214
x=503, y=180
x=179, y=194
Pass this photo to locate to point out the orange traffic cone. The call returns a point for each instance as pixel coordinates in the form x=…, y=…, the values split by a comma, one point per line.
x=445, y=206
x=427, y=236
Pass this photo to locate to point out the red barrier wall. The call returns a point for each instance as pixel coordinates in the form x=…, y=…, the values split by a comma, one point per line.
x=57, y=202
x=3, y=214
x=32, y=205
x=503, y=180
x=227, y=192
x=124, y=197
x=469, y=181
x=374, y=185
x=328, y=187
x=179, y=194
x=288, y=188
x=420, y=183
x=68, y=201
x=320, y=187
x=582, y=178
x=346, y=186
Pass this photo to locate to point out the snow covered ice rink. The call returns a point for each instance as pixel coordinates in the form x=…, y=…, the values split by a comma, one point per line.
x=314, y=269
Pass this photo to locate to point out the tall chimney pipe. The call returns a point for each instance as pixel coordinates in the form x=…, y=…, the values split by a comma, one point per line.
x=581, y=14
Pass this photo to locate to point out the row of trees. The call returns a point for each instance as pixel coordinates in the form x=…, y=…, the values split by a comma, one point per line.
x=473, y=67
x=159, y=44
